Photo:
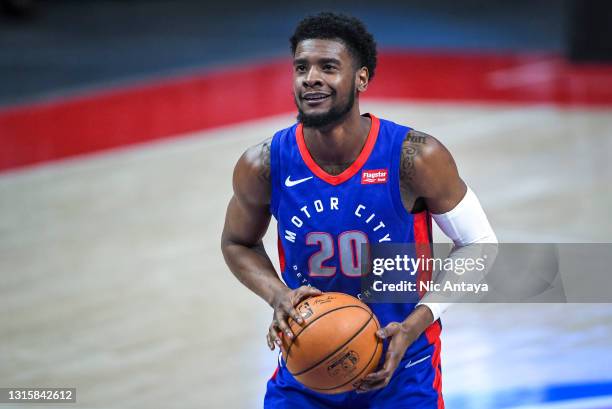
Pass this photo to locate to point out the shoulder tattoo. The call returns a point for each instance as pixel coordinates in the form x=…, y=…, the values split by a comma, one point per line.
x=264, y=160
x=412, y=146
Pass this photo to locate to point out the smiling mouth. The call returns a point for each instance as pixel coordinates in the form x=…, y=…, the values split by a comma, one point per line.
x=315, y=98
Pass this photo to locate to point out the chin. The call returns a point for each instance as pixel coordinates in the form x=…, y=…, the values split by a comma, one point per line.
x=315, y=113
x=316, y=120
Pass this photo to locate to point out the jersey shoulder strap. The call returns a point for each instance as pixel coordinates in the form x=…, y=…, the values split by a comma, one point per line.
x=280, y=141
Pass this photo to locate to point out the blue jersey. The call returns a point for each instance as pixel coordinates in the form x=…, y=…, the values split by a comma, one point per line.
x=324, y=219
x=323, y=222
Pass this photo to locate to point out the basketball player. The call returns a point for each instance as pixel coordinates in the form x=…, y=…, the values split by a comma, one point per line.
x=335, y=180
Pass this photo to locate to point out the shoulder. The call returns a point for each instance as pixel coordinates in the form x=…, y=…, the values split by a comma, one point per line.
x=251, y=180
x=420, y=150
x=425, y=162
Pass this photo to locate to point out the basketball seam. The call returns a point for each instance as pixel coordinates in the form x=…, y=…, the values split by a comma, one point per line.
x=337, y=349
x=316, y=319
x=356, y=376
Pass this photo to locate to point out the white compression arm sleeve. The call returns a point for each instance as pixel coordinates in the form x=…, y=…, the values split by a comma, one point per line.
x=466, y=224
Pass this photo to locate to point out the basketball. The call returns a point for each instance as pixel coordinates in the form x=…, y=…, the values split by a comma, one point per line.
x=336, y=346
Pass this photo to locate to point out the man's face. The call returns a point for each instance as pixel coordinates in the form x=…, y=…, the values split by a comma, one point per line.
x=324, y=80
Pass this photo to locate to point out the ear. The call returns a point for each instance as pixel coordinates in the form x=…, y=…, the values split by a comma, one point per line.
x=361, y=79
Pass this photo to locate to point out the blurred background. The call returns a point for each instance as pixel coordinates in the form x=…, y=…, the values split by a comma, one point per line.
x=120, y=124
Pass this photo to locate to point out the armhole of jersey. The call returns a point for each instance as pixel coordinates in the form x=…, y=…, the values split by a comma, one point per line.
x=396, y=194
x=274, y=175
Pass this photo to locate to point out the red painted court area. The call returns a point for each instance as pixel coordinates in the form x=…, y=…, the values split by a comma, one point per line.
x=53, y=130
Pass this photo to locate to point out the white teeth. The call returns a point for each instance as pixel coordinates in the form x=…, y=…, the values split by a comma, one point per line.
x=316, y=98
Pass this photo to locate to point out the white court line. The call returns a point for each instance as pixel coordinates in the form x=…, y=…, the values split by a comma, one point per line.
x=588, y=403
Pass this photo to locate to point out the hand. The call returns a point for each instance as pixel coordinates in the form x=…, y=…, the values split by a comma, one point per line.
x=284, y=307
x=402, y=336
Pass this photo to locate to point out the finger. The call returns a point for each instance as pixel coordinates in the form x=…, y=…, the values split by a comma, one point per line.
x=378, y=379
x=269, y=341
x=367, y=387
x=376, y=376
x=293, y=313
x=273, y=334
x=391, y=362
x=299, y=295
x=304, y=292
x=287, y=310
x=282, y=325
x=390, y=330
x=370, y=386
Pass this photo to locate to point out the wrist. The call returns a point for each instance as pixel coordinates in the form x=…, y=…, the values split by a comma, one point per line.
x=277, y=291
x=418, y=320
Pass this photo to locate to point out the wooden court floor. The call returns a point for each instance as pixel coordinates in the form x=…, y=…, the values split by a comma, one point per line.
x=112, y=280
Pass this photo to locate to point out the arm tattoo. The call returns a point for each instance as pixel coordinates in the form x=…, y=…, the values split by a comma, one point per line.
x=264, y=157
x=411, y=148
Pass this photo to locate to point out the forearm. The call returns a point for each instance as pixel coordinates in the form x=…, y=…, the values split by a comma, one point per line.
x=253, y=268
x=467, y=225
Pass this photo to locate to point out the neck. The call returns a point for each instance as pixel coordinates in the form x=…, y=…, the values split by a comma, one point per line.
x=339, y=143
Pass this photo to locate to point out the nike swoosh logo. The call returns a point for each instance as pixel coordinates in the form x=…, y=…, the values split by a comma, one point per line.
x=410, y=363
x=289, y=182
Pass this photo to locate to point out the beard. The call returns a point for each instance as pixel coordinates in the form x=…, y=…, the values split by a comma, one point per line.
x=335, y=114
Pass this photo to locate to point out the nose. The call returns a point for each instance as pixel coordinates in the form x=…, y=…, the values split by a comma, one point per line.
x=312, y=78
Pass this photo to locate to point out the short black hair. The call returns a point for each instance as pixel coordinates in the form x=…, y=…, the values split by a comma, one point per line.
x=350, y=30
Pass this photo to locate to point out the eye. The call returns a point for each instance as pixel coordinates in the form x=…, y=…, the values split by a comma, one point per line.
x=329, y=67
x=300, y=68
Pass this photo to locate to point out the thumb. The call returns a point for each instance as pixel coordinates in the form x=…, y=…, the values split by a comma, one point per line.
x=390, y=330
x=314, y=291
x=305, y=292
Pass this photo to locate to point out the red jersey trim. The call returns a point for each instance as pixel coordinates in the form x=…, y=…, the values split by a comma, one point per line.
x=433, y=336
x=422, y=227
x=351, y=170
x=281, y=253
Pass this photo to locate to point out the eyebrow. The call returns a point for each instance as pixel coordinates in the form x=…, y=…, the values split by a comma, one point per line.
x=320, y=61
